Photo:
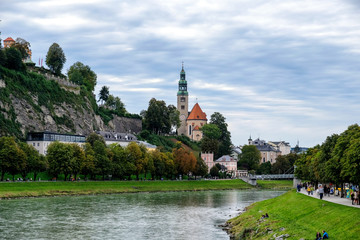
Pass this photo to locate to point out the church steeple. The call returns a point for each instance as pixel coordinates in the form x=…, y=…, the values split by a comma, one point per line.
x=182, y=82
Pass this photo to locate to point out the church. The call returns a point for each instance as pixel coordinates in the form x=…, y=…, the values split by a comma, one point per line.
x=192, y=121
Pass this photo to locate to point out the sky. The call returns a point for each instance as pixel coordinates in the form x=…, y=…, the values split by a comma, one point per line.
x=278, y=70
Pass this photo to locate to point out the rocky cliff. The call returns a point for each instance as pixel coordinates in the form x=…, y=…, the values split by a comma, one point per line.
x=35, y=102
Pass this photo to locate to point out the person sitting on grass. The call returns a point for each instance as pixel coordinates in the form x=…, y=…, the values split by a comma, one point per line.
x=318, y=236
x=325, y=235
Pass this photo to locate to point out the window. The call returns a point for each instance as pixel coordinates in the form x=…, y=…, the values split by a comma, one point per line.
x=34, y=144
x=182, y=107
x=263, y=159
x=182, y=99
x=189, y=130
x=38, y=144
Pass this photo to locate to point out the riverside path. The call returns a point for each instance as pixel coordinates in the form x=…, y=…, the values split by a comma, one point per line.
x=332, y=198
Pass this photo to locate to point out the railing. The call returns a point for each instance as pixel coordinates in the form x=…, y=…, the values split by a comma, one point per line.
x=273, y=176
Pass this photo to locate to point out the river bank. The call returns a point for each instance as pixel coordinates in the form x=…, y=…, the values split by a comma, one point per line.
x=10, y=190
x=295, y=216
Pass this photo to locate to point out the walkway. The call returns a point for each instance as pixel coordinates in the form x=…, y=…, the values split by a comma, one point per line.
x=332, y=198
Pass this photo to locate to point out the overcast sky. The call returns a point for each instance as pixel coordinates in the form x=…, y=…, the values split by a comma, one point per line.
x=276, y=69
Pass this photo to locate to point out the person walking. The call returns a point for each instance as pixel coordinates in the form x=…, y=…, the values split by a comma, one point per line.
x=321, y=192
x=308, y=189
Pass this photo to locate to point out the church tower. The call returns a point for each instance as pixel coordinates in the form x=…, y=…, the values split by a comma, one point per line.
x=182, y=102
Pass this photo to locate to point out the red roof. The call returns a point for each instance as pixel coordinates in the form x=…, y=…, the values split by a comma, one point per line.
x=196, y=128
x=9, y=39
x=197, y=114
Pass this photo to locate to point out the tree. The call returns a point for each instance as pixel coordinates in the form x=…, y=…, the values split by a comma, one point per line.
x=12, y=158
x=13, y=59
x=119, y=106
x=92, y=137
x=214, y=171
x=137, y=155
x=59, y=156
x=122, y=166
x=102, y=159
x=159, y=118
x=104, y=94
x=211, y=139
x=82, y=75
x=2, y=57
x=174, y=117
x=264, y=168
x=225, y=139
x=77, y=160
x=89, y=162
x=201, y=169
x=185, y=161
x=35, y=162
x=55, y=58
x=351, y=162
x=281, y=165
x=23, y=46
x=249, y=158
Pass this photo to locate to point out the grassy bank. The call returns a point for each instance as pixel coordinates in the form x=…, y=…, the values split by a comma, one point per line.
x=300, y=216
x=36, y=189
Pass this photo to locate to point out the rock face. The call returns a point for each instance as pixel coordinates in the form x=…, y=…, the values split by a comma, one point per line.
x=69, y=119
x=20, y=112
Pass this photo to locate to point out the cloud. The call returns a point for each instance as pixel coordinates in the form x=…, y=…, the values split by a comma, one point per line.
x=277, y=69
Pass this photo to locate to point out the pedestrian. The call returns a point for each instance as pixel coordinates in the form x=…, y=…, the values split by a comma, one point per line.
x=321, y=191
x=356, y=196
x=312, y=190
x=352, y=197
x=308, y=189
x=325, y=235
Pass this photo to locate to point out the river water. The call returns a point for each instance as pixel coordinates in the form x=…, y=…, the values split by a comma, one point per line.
x=170, y=215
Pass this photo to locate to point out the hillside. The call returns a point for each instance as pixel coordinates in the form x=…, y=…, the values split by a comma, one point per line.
x=35, y=101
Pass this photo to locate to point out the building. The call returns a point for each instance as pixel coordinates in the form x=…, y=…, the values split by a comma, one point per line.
x=229, y=163
x=268, y=152
x=283, y=146
x=41, y=140
x=9, y=42
x=208, y=159
x=123, y=139
x=190, y=122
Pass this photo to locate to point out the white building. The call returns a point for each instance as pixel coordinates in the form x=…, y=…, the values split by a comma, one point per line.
x=41, y=140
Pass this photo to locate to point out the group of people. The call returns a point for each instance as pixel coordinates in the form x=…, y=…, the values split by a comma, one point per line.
x=320, y=236
x=354, y=197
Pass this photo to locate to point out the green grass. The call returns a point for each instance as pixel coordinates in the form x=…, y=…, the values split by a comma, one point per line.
x=35, y=189
x=277, y=184
x=300, y=215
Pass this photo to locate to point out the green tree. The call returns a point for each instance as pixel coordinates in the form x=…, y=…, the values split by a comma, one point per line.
x=214, y=171
x=13, y=59
x=264, y=168
x=351, y=162
x=78, y=159
x=59, y=156
x=55, y=58
x=35, y=162
x=159, y=118
x=281, y=165
x=92, y=137
x=201, y=169
x=103, y=162
x=104, y=94
x=89, y=162
x=225, y=139
x=211, y=139
x=249, y=158
x=2, y=57
x=82, y=75
x=12, y=158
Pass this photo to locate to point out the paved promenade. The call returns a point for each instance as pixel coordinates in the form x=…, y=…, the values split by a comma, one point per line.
x=332, y=198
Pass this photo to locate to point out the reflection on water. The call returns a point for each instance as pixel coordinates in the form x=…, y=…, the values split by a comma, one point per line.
x=172, y=215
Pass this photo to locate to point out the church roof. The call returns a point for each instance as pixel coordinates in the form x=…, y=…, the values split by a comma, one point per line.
x=197, y=114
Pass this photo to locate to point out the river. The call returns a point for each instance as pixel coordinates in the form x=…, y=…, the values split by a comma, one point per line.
x=170, y=215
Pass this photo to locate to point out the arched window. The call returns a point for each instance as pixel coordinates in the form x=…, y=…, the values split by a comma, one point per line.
x=189, y=130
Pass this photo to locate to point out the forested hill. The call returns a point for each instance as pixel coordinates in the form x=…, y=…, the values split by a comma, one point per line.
x=36, y=100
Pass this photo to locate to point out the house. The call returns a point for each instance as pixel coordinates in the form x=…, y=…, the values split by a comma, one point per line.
x=8, y=42
x=41, y=140
x=208, y=159
x=229, y=163
x=283, y=146
x=268, y=152
x=123, y=139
